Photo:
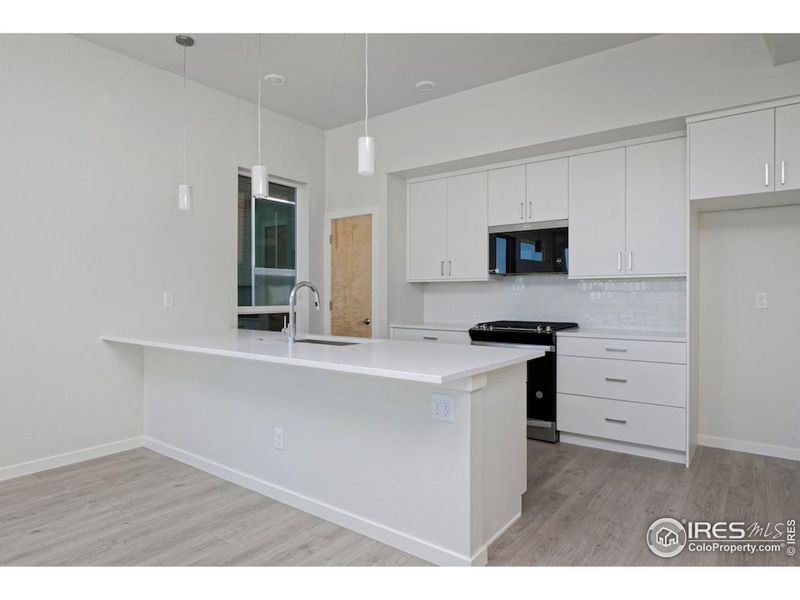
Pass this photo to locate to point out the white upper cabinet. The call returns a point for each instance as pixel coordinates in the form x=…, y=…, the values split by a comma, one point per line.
x=447, y=230
x=597, y=214
x=732, y=155
x=787, y=147
x=467, y=227
x=547, y=197
x=507, y=196
x=656, y=208
x=426, y=243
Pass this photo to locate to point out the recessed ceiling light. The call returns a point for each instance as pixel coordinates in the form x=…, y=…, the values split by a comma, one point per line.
x=274, y=79
x=425, y=86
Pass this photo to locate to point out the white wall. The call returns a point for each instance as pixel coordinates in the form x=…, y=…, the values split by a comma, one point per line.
x=657, y=79
x=90, y=236
x=749, y=377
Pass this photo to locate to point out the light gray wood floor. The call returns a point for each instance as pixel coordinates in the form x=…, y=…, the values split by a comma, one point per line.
x=583, y=507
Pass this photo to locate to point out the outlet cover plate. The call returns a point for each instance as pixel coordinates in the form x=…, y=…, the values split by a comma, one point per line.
x=442, y=408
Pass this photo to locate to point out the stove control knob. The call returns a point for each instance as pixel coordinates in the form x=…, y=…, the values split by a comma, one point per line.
x=538, y=329
x=549, y=329
x=539, y=395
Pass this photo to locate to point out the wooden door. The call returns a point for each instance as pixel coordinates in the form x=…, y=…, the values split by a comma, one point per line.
x=507, y=196
x=426, y=250
x=732, y=155
x=597, y=214
x=656, y=208
x=547, y=190
x=351, y=276
x=787, y=147
x=467, y=229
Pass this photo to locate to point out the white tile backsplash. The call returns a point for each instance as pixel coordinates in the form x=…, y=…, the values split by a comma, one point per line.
x=657, y=305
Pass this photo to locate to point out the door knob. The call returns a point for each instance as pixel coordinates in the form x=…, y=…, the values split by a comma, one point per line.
x=366, y=322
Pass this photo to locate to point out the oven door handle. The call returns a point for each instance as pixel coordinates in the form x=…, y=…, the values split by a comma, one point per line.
x=510, y=345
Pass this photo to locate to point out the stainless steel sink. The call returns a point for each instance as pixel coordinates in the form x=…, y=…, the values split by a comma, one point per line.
x=326, y=342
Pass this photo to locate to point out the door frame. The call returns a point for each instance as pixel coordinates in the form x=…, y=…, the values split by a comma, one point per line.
x=339, y=214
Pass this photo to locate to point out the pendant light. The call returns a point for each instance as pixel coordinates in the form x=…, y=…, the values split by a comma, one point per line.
x=258, y=174
x=184, y=189
x=366, y=144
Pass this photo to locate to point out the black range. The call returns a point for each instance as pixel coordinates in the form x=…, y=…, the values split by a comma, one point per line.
x=541, y=380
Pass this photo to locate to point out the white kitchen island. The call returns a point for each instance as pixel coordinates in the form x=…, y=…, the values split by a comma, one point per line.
x=360, y=445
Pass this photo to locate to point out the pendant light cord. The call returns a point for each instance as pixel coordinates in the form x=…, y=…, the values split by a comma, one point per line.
x=259, y=98
x=185, y=107
x=366, y=84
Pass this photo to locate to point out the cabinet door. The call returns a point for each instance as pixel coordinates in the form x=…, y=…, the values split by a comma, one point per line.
x=597, y=213
x=732, y=155
x=787, y=147
x=656, y=208
x=467, y=229
x=426, y=250
x=547, y=185
x=507, y=196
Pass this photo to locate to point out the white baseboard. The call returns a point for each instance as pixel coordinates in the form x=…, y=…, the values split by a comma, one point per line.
x=749, y=447
x=68, y=458
x=392, y=537
x=624, y=447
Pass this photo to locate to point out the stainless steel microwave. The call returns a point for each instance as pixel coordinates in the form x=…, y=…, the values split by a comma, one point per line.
x=527, y=251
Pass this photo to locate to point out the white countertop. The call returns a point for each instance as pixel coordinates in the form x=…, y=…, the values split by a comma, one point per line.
x=617, y=334
x=410, y=361
x=436, y=326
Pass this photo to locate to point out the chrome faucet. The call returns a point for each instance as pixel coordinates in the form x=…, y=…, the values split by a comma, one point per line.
x=291, y=331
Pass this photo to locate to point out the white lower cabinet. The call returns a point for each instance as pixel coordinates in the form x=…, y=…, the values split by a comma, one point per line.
x=627, y=392
x=422, y=334
x=645, y=424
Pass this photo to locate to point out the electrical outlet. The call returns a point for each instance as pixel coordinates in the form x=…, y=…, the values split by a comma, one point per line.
x=442, y=408
x=169, y=300
x=626, y=318
x=277, y=438
x=761, y=299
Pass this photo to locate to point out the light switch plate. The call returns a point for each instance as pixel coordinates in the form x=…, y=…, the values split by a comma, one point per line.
x=761, y=300
x=277, y=438
x=169, y=300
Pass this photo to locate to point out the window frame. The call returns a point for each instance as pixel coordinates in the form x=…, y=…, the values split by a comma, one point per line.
x=300, y=240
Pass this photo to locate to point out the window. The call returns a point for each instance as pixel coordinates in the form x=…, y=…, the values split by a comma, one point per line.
x=266, y=247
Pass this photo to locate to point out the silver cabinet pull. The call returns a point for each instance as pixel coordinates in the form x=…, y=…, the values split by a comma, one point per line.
x=429, y=337
x=442, y=269
x=521, y=211
x=616, y=349
x=766, y=174
x=620, y=421
x=449, y=268
x=617, y=379
x=619, y=261
x=530, y=210
x=630, y=260
x=783, y=172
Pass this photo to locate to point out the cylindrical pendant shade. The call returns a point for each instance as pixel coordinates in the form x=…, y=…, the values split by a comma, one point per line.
x=259, y=183
x=366, y=155
x=184, y=197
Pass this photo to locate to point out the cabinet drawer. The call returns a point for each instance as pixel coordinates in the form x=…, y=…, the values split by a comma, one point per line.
x=431, y=335
x=659, y=426
x=649, y=383
x=668, y=352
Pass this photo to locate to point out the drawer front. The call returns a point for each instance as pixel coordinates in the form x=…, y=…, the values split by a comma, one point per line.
x=669, y=352
x=649, y=383
x=431, y=335
x=659, y=426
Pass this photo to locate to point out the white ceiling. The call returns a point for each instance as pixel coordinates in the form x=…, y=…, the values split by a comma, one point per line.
x=325, y=72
